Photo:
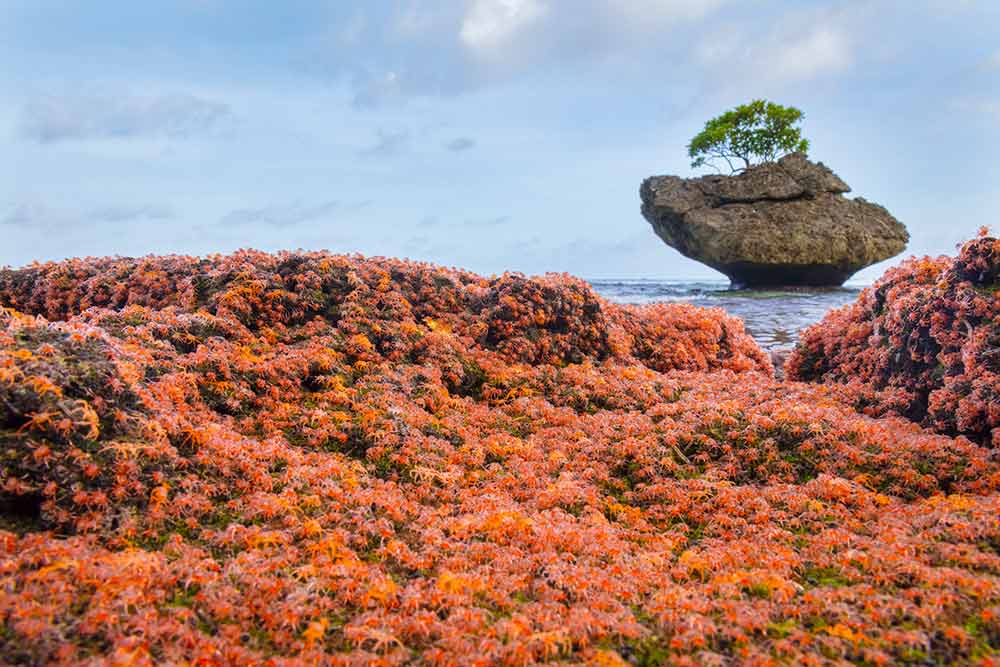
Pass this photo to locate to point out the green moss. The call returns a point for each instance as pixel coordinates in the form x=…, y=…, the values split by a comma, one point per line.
x=913, y=656
x=782, y=629
x=986, y=642
x=184, y=597
x=474, y=378
x=646, y=652
x=521, y=597
x=760, y=591
x=823, y=577
x=385, y=468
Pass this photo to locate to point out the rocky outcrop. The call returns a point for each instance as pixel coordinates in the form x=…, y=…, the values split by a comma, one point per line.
x=783, y=223
x=779, y=355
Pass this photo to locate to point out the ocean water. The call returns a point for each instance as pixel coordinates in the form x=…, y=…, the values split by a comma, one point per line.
x=774, y=317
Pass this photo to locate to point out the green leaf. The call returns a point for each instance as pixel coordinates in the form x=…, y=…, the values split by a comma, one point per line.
x=759, y=131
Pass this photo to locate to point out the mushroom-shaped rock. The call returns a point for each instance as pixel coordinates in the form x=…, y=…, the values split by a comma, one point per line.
x=785, y=223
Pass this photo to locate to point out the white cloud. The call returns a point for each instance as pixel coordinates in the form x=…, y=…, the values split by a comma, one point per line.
x=389, y=144
x=113, y=114
x=738, y=56
x=421, y=49
x=588, y=27
x=352, y=32
x=460, y=144
x=495, y=221
x=286, y=215
x=132, y=213
x=33, y=214
x=417, y=19
x=375, y=90
x=823, y=51
x=657, y=12
x=953, y=7
x=494, y=23
x=978, y=105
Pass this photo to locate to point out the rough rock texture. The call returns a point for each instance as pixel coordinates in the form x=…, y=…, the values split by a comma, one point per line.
x=779, y=356
x=784, y=223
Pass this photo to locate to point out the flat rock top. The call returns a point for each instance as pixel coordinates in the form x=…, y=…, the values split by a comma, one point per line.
x=791, y=177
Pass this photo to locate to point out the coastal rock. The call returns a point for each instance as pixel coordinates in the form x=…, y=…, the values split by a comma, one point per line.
x=779, y=356
x=785, y=223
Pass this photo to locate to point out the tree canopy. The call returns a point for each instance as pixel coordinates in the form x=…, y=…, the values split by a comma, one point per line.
x=760, y=131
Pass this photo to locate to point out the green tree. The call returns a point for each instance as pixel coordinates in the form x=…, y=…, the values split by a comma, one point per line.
x=760, y=131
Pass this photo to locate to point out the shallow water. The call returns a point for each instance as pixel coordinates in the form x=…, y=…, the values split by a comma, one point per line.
x=773, y=317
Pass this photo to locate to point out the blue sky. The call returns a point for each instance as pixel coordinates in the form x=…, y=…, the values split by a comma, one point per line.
x=488, y=134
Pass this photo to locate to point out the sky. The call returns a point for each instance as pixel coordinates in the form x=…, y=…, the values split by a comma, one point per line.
x=492, y=135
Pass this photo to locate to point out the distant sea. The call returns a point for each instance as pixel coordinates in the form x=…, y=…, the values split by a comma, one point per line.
x=774, y=317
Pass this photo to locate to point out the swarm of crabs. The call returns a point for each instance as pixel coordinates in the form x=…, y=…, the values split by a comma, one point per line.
x=315, y=459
